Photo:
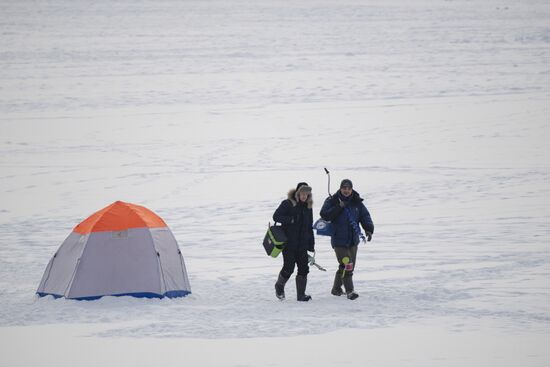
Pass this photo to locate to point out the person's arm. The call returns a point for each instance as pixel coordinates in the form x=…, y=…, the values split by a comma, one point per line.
x=366, y=221
x=329, y=211
x=283, y=214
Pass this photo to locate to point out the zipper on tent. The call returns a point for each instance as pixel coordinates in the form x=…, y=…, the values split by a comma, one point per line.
x=65, y=294
x=49, y=271
x=161, y=273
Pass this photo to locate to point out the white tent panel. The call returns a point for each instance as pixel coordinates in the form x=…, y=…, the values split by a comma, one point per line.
x=61, y=267
x=172, y=265
x=115, y=263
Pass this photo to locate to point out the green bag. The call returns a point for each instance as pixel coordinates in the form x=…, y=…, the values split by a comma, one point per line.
x=274, y=240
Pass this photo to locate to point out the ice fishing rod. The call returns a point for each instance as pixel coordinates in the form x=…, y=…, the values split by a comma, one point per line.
x=311, y=261
x=328, y=174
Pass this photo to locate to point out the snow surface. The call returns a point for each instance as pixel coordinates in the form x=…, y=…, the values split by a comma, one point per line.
x=207, y=112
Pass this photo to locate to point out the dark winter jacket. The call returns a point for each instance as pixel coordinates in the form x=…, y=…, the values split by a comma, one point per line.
x=344, y=235
x=297, y=221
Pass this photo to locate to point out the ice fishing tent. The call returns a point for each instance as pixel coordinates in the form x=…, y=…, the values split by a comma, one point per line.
x=123, y=249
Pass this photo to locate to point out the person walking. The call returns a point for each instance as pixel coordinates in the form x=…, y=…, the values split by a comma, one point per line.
x=296, y=216
x=345, y=210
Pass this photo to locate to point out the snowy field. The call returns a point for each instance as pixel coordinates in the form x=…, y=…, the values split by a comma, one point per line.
x=208, y=112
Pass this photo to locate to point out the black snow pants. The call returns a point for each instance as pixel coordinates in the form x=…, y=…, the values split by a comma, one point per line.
x=293, y=257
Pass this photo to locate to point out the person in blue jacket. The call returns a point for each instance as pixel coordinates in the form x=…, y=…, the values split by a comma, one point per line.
x=296, y=216
x=345, y=210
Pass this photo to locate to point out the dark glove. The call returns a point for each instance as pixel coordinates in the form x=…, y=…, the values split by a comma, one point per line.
x=369, y=236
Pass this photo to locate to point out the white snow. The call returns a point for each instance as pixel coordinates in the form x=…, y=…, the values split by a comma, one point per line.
x=208, y=112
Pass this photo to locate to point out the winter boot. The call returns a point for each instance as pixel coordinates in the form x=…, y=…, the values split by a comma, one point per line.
x=348, y=284
x=301, y=283
x=280, y=287
x=337, y=286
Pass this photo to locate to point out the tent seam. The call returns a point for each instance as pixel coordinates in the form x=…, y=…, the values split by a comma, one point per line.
x=157, y=255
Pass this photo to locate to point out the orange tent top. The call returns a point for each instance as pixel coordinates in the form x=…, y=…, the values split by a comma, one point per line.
x=120, y=216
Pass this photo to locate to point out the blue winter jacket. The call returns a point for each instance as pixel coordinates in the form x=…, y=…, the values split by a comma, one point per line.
x=344, y=235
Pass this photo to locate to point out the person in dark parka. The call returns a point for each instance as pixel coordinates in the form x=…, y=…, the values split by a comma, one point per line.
x=296, y=216
x=345, y=210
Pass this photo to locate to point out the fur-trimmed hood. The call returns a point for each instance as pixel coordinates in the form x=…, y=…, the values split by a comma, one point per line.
x=294, y=200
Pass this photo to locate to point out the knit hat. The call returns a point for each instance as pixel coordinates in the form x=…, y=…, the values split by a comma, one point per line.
x=346, y=182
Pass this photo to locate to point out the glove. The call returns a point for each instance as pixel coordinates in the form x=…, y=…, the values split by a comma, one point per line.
x=369, y=236
x=311, y=259
x=342, y=204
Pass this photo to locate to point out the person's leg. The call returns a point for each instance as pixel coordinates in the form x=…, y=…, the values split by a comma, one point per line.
x=302, y=261
x=340, y=253
x=301, y=278
x=285, y=273
x=348, y=276
x=353, y=255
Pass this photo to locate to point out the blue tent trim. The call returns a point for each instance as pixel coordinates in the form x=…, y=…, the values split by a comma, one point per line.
x=169, y=294
x=40, y=294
